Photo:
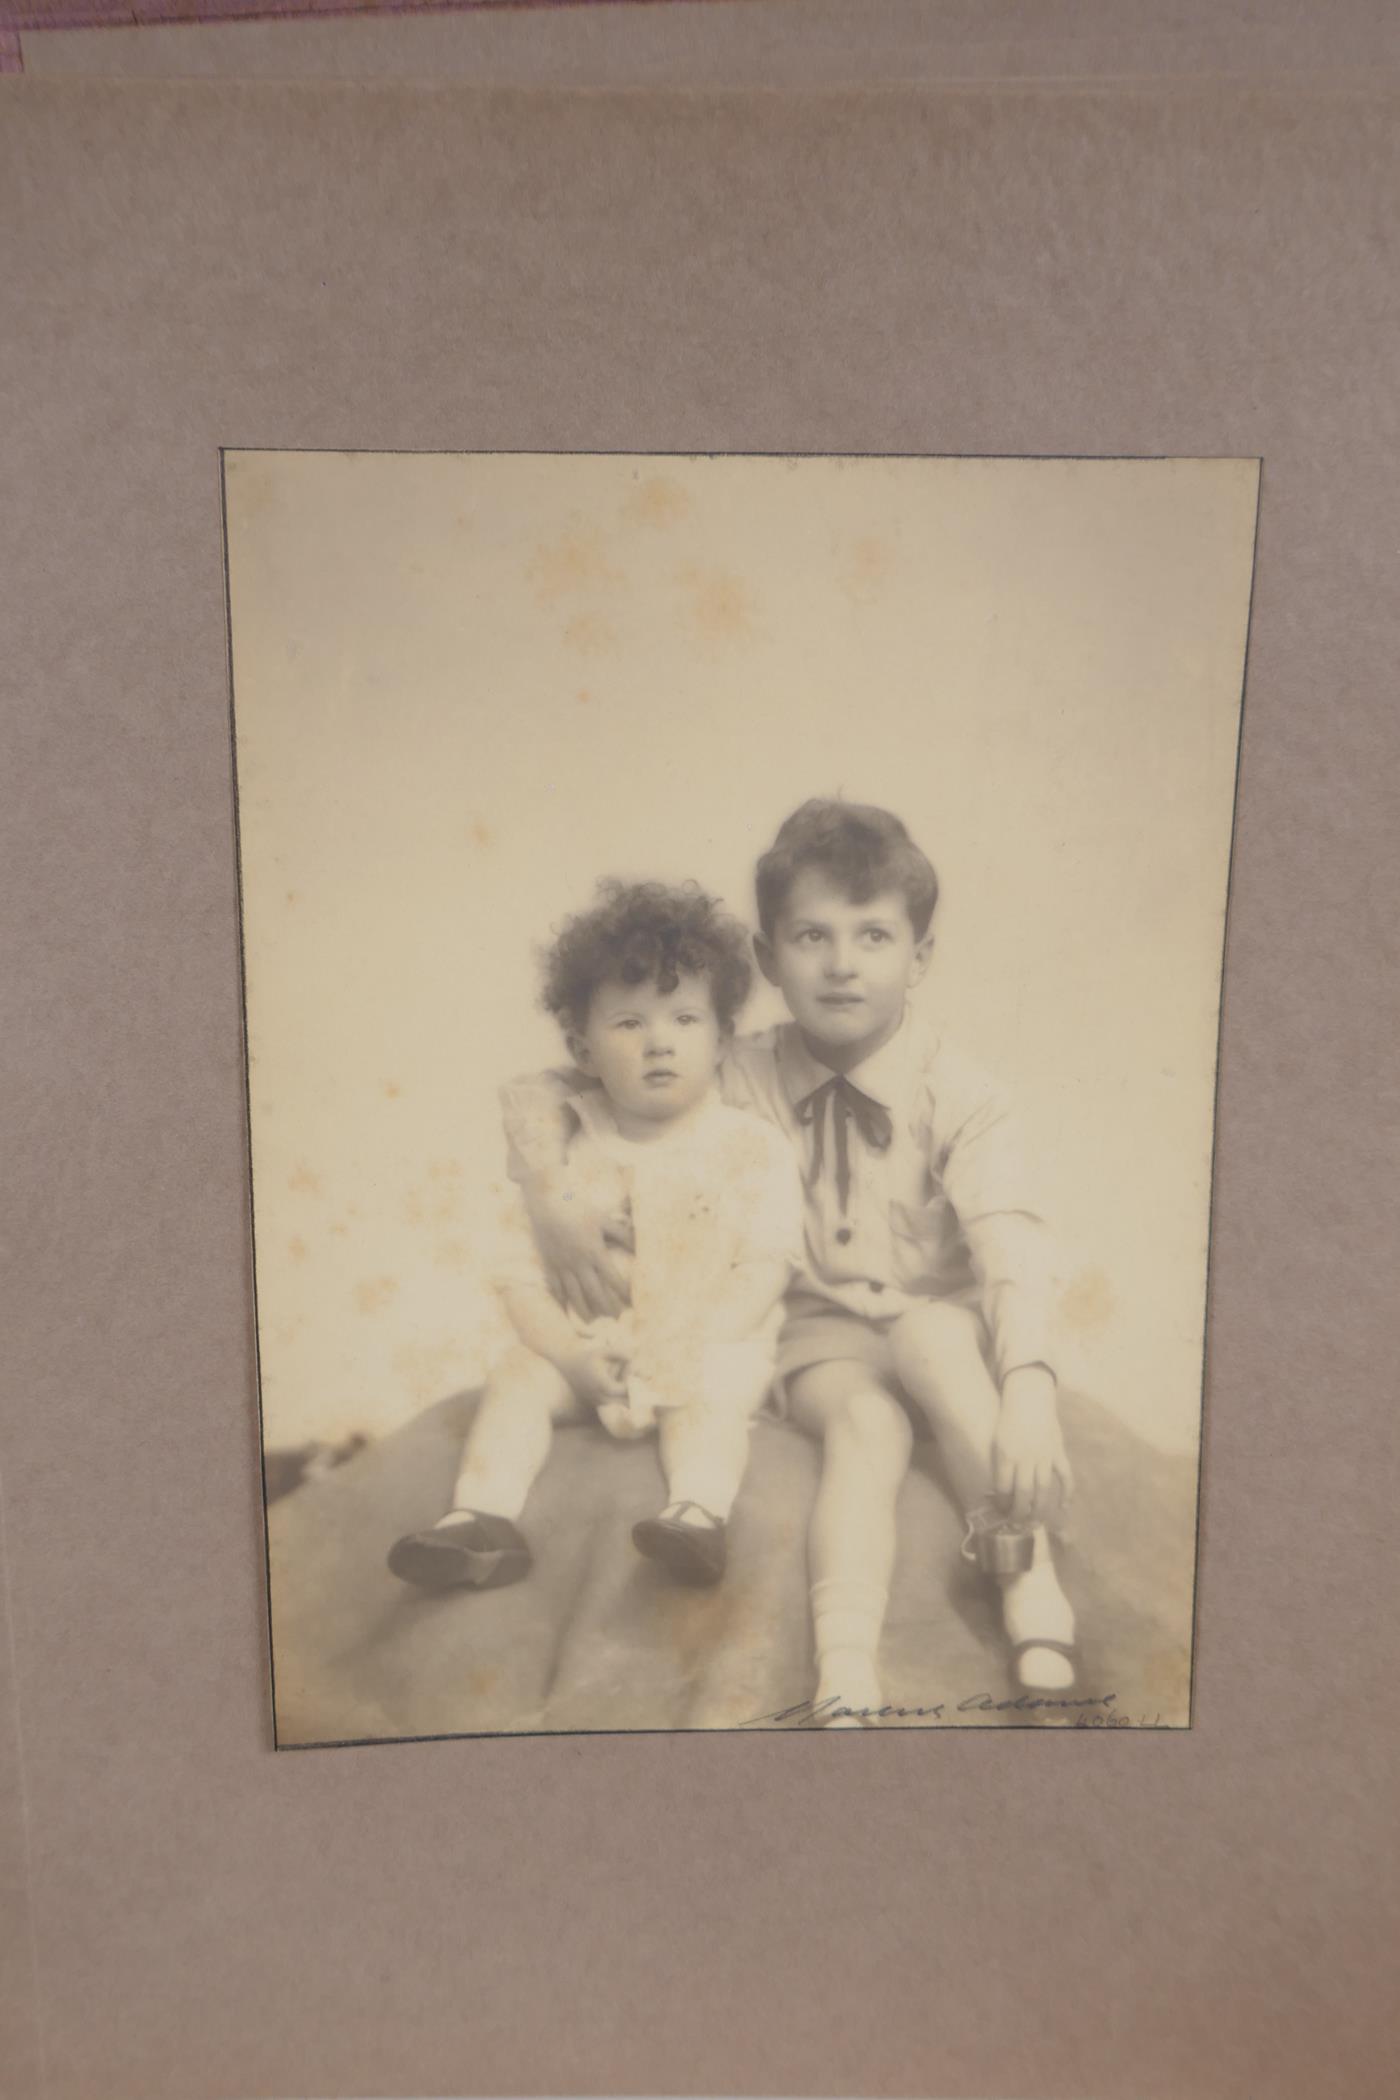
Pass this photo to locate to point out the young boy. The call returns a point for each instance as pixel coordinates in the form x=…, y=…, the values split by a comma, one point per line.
x=927, y=1275
x=646, y=986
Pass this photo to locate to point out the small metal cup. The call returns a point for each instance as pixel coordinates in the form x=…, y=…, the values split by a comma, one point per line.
x=995, y=1541
x=1006, y=1551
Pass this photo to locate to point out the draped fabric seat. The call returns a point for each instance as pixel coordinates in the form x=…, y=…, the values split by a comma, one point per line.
x=598, y=1638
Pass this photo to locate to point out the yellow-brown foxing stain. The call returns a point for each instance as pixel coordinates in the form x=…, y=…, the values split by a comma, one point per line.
x=1167, y=1681
x=293, y=897
x=867, y=567
x=722, y=607
x=659, y=500
x=480, y=832
x=576, y=561
x=480, y=1682
x=338, y=1230
x=439, y=1204
x=302, y=1181
x=297, y=1247
x=392, y=1090
x=1088, y=1301
x=584, y=696
x=375, y=1292
x=695, y=1623
x=590, y=634
x=426, y=1368
x=452, y=1254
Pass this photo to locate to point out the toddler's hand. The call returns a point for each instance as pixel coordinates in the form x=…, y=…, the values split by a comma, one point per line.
x=1029, y=1464
x=598, y=1372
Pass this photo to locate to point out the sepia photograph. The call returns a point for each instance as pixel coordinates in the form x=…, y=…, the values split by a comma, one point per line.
x=732, y=953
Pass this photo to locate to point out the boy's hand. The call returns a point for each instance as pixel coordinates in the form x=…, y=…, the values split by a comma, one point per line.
x=580, y=1264
x=1028, y=1457
x=597, y=1372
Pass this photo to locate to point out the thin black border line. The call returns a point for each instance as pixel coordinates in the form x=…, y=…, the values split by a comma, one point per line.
x=682, y=452
x=1215, y=1097
x=252, y=1237
x=575, y=1735
x=509, y=452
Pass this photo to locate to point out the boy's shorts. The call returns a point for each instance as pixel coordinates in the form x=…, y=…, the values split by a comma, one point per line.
x=816, y=1331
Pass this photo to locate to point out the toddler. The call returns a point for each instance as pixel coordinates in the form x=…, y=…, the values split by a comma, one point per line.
x=703, y=1205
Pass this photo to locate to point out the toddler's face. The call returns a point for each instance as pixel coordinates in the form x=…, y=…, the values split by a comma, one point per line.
x=655, y=1052
x=843, y=968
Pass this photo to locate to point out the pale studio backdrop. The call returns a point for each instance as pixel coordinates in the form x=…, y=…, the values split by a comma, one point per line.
x=466, y=687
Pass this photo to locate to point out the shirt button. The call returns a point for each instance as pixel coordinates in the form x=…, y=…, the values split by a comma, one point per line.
x=877, y=1286
x=843, y=1234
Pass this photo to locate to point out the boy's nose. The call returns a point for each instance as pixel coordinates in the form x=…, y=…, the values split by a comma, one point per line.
x=840, y=963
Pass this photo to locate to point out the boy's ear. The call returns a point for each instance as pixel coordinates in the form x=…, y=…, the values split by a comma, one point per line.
x=764, y=957
x=923, y=956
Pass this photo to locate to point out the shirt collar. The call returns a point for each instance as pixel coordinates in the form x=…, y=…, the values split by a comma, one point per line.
x=882, y=1077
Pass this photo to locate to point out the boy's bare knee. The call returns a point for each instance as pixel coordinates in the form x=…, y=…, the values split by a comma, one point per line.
x=873, y=1424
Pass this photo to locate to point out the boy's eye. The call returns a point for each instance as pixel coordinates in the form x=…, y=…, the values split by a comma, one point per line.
x=808, y=936
x=631, y=1021
x=875, y=935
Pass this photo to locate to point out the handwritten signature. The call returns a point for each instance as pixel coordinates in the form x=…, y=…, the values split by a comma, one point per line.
x=1099, y=1712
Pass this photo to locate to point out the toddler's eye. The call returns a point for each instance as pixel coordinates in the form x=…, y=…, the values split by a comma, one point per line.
x=686, y=1020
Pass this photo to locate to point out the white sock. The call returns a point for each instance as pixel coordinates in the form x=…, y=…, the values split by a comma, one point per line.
x=479, y=1498
x=1034, y=1606
x=847, y=1616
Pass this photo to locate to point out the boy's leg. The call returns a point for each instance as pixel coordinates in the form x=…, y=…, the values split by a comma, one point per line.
x=866, y=1442
x=937, y=1352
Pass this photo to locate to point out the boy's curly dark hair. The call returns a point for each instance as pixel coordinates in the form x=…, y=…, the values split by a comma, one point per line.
x=647, y=933
x=864, y=850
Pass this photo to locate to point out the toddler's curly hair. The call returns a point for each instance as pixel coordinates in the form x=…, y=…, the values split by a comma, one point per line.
x=647, y=933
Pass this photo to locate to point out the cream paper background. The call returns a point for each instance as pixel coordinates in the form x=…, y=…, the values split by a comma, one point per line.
x=466, y=686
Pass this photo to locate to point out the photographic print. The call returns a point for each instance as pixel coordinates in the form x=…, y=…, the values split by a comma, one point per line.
x=732, y=957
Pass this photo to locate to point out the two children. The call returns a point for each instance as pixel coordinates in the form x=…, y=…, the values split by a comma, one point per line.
x=646, y=987
x=921, y=1292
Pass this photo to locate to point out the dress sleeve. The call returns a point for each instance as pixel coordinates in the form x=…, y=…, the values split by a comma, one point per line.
x=538, y=1119
x=979, y=1158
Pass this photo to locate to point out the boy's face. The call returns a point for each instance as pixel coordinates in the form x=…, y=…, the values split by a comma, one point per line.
x=843, y=968
x=654, y=1052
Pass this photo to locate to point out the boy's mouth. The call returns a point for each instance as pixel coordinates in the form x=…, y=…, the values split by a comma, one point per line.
x=660, y=1078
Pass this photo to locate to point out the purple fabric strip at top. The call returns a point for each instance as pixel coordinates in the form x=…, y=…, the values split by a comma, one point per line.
x=129, y=14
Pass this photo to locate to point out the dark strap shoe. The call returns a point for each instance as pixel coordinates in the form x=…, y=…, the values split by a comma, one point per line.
x=474, y=1551
x=694, y=1553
